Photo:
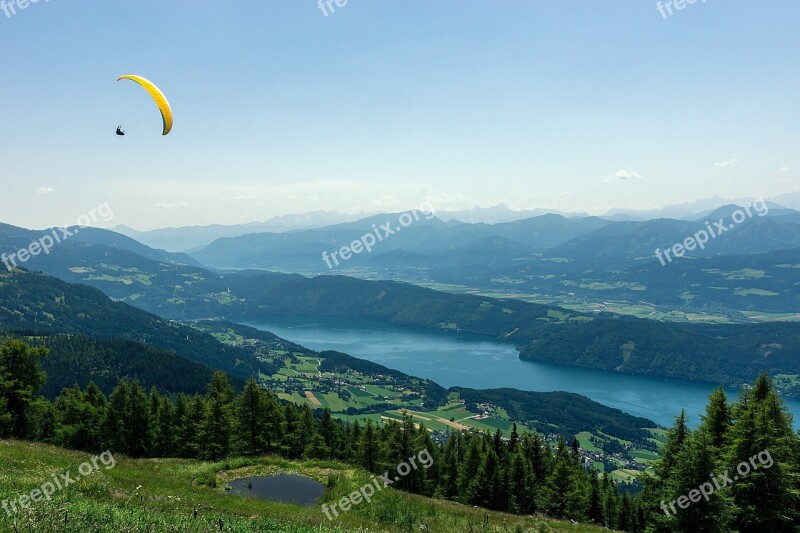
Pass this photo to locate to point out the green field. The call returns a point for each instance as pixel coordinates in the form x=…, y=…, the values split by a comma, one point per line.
x=585, y=442
x=624, y=475
x=644, y=456
x=185, y=495
x=358, y=392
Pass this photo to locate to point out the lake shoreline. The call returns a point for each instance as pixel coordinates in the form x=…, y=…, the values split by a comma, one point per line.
x=475, y=361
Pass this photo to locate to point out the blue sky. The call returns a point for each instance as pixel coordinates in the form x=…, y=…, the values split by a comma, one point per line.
x=573, y=105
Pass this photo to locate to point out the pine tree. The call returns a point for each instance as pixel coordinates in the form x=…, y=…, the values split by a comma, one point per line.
x=353, y=443
x=595, y=509
x=95, y=397
x=487, y=484
x=431, y=476
x=369, y=448
x=181, y=406
x=626, y=513
x=20, y=381
x=693, y=468
x=137, y=422
x=471, y=466
x=252, y=425
x=610, y=499
x=291, y=442
x=306, y=428
x=273, y=420
x=328, y=430
x=449, y=482
x=78, y=421
x=717, y=420
x=520, y=486
x=218, y=427
x=190, y=440
x=766, y=497
x=657, y=490
x=115, y=430
x=317, y=449
x=560, y=482
x=676, y=443
x=513, y=440
x=165, y=429
x=42, y=421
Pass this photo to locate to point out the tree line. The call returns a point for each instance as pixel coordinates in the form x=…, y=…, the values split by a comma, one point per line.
x=519, y=474
x=766, y=499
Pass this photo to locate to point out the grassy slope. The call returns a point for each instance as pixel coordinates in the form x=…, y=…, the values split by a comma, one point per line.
x=159, y=495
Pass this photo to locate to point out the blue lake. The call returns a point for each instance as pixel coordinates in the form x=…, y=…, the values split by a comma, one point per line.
x=457, y=359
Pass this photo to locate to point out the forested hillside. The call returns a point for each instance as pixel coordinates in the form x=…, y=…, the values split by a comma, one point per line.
x=80, y=360
x=38, y=303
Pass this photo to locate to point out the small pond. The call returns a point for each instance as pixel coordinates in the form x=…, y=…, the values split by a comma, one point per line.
x=287, y=488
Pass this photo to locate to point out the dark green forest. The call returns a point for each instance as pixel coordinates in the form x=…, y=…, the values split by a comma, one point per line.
x=80, y=360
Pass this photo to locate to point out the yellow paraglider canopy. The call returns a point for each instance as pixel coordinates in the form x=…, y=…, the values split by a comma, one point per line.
x=158, y=97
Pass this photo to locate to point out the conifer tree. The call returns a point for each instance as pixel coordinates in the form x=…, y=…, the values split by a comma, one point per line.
x=20, y=381
x=190, y=443
x=164, y=440
x=694, y=467
x=328, y=430
x=137, y=422
x=274, y=423
x=595, y=510
x=252, y=424
x=766, y=498
x=218, y=427
x=717, y=420
x=369, y=448
x=115, y=430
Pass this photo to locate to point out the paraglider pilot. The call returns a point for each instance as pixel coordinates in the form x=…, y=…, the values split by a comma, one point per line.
x=119, y=131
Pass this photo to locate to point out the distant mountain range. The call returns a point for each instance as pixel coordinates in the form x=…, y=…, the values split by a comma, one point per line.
x=548, y=258
x=192, y=237
x=552, y=256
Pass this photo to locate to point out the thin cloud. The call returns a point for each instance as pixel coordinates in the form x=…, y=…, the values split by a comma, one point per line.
x=622, y=175
x=784, y=169
x=41, y=191
x=729, y=163
x=168, y=205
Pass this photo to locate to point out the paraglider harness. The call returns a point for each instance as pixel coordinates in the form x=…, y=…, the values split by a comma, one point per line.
x=119, y=131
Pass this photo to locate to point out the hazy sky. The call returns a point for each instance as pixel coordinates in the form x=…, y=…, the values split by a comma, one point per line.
x=577, y=105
